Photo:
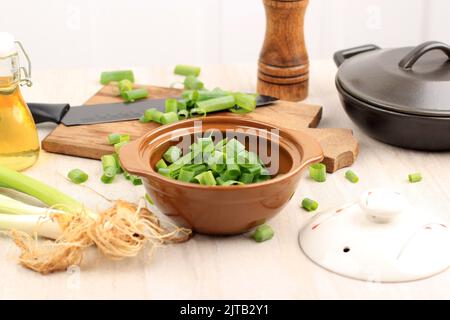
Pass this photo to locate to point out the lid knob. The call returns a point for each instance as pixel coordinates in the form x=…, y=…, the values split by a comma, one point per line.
x=382, y=205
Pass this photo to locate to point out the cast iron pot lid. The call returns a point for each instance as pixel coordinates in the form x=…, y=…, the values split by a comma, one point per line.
x=407, y=80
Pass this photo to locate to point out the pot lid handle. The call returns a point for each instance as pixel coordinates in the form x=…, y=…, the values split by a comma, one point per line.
x=411, y=58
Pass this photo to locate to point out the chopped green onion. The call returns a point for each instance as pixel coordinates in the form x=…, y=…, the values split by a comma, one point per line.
x=263, y=233
x=309, y=204
x=153, y=115
x=143, y=119
x=109, y=168
x=125, y=85
x=135, y=180
x=135, y=94
x=161, y=164
x=115, y=138
x=415, y=177
x=77, y=176
x=318, y=172
x=221, y=182
x=208, y=95
x=185, y=70
x=197, y=112
x=108, y=76
x=181, y=104
x=169, y=117
x=119, y=145
x=172, y=154
x=171, y=105
x=246, y=178
x=186, y=175
x=192, y=83
x=245, y=101
x=118, y=166
x=232, y=172
x=150, y=200
x=183, y=114
x=165, y=172
x=206, y=178
x=351, y=176
x=217, y=104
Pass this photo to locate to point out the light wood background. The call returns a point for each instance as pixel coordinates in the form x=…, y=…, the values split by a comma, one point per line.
x=231, y=267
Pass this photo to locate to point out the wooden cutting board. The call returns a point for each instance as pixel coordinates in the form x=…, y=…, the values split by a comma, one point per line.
x=90, y=141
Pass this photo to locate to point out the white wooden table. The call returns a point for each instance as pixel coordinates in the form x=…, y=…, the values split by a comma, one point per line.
x=231, y=267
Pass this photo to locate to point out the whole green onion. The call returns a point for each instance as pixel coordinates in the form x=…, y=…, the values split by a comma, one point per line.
x=192, y=83
x=415, y=177
x=318, y=172
x=169, y=117
x=309, y=204
x=136, y=94
x=77, y=176
x=263, y=233
x=351, y=176
x=186, y=70
x=172, y=154
x=171, y=105
x=108, y=76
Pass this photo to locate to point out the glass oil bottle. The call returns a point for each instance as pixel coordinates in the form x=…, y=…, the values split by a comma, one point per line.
x=19, y=142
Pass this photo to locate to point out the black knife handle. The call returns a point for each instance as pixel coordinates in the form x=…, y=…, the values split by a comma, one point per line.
x=45, y=112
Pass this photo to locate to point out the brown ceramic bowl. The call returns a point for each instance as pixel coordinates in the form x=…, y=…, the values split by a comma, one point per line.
x=222, y=210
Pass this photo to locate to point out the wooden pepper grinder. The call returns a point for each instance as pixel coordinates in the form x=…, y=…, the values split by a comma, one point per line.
x=283, y=68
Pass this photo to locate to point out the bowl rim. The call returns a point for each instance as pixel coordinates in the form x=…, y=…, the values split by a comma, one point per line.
x=306, y=159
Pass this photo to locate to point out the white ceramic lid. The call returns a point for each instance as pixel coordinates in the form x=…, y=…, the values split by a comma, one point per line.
x=380, y=238
x=7, y=44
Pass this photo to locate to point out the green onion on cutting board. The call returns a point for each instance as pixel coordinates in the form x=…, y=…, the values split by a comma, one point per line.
x=109, y=76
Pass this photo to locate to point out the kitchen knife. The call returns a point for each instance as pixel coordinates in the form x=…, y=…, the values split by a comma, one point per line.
x=104, y=113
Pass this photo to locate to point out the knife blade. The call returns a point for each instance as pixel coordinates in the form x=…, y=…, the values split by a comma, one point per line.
x=104, y=113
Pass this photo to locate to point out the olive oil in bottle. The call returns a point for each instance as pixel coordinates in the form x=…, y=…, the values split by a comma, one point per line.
x=19, y=143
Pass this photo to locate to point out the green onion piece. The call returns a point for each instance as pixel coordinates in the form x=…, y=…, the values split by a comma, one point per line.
x=135, y=180
x=245, y=101
x=171, y=105
x=181, y=104
x=186, y=175
x=217, y=162
x=263, y=233
x=233, y=148
x=183, y=114
x=150, y=200
x=153, y=114
x=309, y=204
x=194, y=112
x=207, y=94
x=318, y=172
x=221, y=182
x=206, y=178
x=238, y=110
x=135, y=94
x=108, y=76
x=169, y=117
x=190, y=96
x=114, y=138
x=217, y=104
x=192, y=83
x=118, y=166
x=161, y=164
x=232, y=172
x=165, y=172
x=77, y=176
x=185, y=70
x=172, y=154
x=143, y=119
x=246, y=178
x=119, y=145
x=351, y=176
x=109, y=168
x=125, y=85
x=415, y=177
x=126, y=175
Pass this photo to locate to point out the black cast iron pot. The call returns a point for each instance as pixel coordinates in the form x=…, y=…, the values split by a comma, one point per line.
x=398, y=96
